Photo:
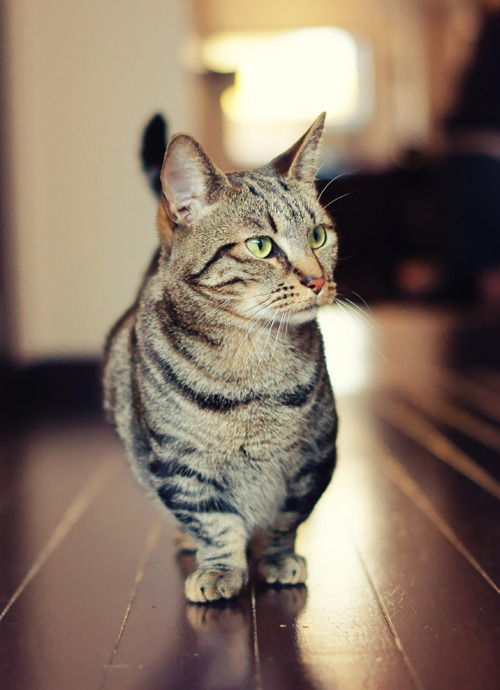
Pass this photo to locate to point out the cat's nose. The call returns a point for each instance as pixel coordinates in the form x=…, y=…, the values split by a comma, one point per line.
x=314, y=283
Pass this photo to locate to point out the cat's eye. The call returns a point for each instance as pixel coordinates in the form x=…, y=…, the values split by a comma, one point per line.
x=260, y=246
x=317, y=237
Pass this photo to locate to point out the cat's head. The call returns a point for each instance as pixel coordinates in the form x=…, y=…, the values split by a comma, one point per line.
x=258, y=244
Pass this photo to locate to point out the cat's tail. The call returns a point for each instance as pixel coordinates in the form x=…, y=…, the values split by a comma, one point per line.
x=154, y=143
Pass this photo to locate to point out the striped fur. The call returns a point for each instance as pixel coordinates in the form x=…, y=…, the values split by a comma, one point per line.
x=215, y=378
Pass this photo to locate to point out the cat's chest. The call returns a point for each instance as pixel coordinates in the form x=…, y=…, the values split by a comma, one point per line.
x=268, y=407
x=269, y=426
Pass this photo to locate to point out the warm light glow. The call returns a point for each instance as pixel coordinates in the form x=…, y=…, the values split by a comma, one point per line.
x=283, y=80
x=349, y=341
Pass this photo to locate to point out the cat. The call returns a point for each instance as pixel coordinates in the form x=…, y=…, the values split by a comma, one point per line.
x=215, y=378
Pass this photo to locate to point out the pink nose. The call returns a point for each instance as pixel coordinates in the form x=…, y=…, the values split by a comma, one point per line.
x=314, y=283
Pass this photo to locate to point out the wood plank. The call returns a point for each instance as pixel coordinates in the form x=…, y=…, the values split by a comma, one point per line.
x=471, y=393
x=456, y=418
x=414, y=425
x=332, y=634
x=445, y=614
x=472, y=514
x=44, y=472
x=61, y=630
x=169, y=643
x=488, y=377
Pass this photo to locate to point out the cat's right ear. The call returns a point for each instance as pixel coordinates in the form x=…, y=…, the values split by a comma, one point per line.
x=299, y=162
x=191, y=183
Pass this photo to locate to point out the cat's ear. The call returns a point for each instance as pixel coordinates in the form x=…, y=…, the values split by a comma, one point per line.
x=299, y=162
x=190, y=181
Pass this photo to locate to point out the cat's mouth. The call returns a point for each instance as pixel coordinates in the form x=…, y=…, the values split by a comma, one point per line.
x=320, y=300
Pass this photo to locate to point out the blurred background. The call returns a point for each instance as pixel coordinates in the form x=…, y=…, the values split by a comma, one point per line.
x=410, y=165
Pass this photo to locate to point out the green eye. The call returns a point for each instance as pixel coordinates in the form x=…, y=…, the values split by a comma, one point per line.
x=317, y=237
x=260, y=246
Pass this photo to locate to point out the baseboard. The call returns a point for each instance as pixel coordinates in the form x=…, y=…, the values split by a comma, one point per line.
x=49, y=388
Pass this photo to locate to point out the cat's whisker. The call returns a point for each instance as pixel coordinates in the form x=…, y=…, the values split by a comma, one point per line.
x=257, y=320
x=326, y=187
x=315, y=178
x=359, y=311
x=260, y=306
x=264, y=348
x=264, y=294
x=338, y=177
x=276, y=340
x=255, y=306
x=262, y=332
x=367, y=318
x=363, y=300
x=252, y=307
x=344, y=307
x=342, y=196
x=263, y=306
x=287, y=322
x=221, y=307
x=341, y=313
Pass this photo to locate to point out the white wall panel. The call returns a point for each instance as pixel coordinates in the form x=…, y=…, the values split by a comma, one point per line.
x=83, y=78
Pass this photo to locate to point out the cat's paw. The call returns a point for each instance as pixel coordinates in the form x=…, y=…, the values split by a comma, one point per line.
x=283, y=570
x=212, y=584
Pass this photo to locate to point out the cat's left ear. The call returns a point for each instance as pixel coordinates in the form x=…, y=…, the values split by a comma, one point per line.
x=299, y=162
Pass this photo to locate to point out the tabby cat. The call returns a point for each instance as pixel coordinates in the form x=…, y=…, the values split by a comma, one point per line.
x=215, y=378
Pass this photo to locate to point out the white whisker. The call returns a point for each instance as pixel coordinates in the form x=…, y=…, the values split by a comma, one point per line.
x=264, y=348
x=276, y=340
x=344, y=307
x=262, y=332
x=315, y=178
x=342, y=196
x=257, y=320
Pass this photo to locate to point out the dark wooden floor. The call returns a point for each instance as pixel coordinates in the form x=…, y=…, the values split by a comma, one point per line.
x=403, y=549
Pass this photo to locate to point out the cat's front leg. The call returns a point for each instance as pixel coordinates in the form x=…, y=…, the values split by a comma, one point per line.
x=279, y=564
x=222, y=567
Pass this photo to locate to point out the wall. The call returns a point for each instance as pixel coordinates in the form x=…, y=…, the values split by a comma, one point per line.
x=82, y=80
x=394, y=29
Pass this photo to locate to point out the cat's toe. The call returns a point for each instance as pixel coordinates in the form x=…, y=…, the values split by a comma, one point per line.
x=210, y=585
x=286, y=570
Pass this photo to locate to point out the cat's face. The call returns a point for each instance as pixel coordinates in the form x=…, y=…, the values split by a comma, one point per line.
x=257, y=244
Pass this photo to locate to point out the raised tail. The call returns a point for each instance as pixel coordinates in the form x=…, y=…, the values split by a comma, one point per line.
x=154, y=143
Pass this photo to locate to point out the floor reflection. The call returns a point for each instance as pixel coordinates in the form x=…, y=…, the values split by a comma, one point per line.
x=242, y=644
x=278, y=633
x=248, y=642
x=225, y=641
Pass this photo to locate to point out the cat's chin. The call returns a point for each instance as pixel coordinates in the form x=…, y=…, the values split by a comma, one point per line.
x=303, y=316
